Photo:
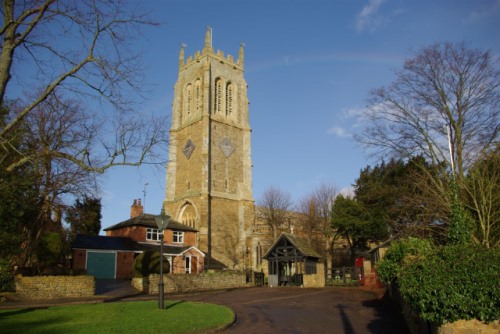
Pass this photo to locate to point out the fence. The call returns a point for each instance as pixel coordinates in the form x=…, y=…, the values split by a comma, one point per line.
x=255, y=277
x=344, y=276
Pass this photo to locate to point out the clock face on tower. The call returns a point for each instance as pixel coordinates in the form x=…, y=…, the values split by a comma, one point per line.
x=226, y=147
x=188, y=149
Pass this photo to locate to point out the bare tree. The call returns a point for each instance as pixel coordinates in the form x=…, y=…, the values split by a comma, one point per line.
x=483, y=193
x=444, y=106
x=274, y=208
x=324, y=196
x=83, y=49
x=63, y=143
x=446, y=98
x=309, y=218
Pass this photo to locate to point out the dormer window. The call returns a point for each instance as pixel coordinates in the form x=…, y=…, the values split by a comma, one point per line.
x=178, y=237
x=153, y=234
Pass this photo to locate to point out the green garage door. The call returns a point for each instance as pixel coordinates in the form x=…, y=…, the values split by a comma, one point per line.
x=101, y=265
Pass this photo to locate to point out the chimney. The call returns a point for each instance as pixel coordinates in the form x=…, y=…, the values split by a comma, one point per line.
x=136, y=209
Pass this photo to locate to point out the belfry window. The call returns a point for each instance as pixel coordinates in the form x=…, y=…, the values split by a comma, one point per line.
x=189, y=99
x=229, y=99
x=218, y=96
x=197, y=88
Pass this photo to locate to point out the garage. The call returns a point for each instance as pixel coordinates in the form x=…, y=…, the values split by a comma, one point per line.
x=101, y=265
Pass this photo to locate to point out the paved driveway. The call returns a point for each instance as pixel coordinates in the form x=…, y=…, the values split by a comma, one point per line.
x=296, y=310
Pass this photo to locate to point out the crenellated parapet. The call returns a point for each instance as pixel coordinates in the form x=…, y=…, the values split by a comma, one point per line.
x=208, y=52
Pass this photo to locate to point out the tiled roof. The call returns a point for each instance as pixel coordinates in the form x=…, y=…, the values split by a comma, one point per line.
x=302, y=245
x=299, y=243
x=104, y=243
x=167, y=249
x=99, y=242
x=148, y=220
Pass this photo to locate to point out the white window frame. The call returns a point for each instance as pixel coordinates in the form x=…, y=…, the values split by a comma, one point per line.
x=178, y=237
x=153, y=234
x=187, y=264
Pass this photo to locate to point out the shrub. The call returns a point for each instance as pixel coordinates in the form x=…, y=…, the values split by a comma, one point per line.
x=148, y=263
x=454, y=282
x=400, y=251
x=6, y=276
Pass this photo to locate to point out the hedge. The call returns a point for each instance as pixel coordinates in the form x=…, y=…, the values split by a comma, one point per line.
x=454, y=282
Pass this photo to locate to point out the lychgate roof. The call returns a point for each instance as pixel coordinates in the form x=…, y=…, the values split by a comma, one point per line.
x=301, y=245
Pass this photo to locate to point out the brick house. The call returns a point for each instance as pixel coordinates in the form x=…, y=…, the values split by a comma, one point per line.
x=111, y=256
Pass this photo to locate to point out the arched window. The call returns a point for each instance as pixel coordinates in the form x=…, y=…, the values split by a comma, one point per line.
x=218, y=96
x=197, y=93
x=229, y=99
x=188, y=215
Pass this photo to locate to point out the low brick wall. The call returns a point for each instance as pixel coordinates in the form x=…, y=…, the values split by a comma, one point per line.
x=192, y=282
x=52, y=287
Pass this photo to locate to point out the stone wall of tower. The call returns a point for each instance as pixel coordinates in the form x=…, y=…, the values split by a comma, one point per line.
x=209, y=173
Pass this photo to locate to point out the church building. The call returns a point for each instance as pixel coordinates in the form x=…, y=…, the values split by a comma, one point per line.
x=209, y=171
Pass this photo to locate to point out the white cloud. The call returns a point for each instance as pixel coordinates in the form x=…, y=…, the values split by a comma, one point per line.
x=368, y=18
x=347, y=192
x=483, y=13
x=338, y=131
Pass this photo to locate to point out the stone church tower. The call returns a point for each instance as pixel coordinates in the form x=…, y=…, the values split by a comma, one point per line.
x=209, y=173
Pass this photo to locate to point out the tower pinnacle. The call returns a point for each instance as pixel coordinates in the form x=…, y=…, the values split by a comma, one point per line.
x=181, y=55
x=241, y=57
x=208, y=40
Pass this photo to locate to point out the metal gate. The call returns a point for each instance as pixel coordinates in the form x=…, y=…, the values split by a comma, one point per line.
x=344, y=276
x=255, y=277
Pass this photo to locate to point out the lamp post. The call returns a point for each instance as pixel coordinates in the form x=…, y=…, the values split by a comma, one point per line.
x=162, y=222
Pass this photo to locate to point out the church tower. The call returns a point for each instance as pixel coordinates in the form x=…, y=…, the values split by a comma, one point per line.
x=209, y=172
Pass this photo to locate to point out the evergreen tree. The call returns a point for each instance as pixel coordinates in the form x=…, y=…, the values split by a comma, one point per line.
x=84, y=217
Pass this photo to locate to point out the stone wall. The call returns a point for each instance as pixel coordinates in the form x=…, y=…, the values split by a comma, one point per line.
x=52, y=287
x=317, y=280
x=194, y=282
x=469, y=327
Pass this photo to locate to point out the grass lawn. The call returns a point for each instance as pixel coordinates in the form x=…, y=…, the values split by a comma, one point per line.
x=125, y=317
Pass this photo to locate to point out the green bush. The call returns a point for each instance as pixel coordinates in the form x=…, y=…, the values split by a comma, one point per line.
x=454, y=282
x=400, y=252
x=148, y=263
x=6, y=276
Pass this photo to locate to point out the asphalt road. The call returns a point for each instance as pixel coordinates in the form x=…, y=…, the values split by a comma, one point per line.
x=295, y=310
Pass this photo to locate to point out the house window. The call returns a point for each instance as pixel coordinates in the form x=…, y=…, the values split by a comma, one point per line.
x=178, y=237
x=153, y=234
x=310, y=267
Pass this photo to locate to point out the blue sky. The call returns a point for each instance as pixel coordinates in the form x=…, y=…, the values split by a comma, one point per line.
x=309, y=65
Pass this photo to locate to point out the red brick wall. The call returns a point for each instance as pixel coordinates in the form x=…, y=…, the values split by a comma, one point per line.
x=124, y=264
x=180, y=262
x=137, y=233
x=79, y=259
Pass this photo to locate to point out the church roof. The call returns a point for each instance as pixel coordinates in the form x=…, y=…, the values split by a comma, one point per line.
x=148, y=220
